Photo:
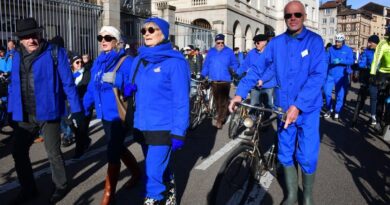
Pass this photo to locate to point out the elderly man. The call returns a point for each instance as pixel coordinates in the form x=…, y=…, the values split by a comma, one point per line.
x=219, y=65
x=297, y=59
x=37, y=102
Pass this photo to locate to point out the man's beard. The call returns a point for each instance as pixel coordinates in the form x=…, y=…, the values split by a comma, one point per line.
x=219, y=48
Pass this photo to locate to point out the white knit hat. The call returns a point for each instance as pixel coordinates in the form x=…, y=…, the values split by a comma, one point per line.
x=112, y=31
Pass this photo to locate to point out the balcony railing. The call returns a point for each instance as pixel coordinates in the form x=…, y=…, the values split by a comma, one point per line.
x=198, y=2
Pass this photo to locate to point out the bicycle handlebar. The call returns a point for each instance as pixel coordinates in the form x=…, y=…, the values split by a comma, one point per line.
x=279, y=111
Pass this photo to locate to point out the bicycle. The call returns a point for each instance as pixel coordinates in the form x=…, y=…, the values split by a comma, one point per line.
x=246, y=164
x=383, y=109
x=237, y=121
x=4, y=81
x=201, y=103
x=363, y=93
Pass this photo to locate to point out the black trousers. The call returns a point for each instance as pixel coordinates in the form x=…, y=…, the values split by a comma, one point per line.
x=221, y=96
x=23, y=137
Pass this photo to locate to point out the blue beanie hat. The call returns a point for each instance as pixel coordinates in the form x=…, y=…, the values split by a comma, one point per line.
x=161, y=23
x=220, y=37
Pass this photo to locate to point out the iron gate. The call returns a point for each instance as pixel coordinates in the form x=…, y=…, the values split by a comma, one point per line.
x=76, y=21
x=186, y=34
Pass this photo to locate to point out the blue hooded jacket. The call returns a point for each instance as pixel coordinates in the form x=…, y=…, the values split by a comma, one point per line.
x=163, y=85
x=300, y=69
x=340, y=60
x=254, y=62
x=366, y=58
x=217, y=64
x=50, y=85
x=100, y=93
x=5, y=64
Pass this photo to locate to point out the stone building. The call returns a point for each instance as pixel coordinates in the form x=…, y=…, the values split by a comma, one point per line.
x=239, y=20
x=379, y=17
x=355, y=24
x=328, y=21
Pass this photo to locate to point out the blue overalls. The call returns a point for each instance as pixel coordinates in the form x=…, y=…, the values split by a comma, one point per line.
x=298, y=63
x=340, y=60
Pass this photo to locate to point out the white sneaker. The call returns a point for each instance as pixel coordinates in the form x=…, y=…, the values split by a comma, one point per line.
x=336, y=116
x=327, y=114
x=373, y=120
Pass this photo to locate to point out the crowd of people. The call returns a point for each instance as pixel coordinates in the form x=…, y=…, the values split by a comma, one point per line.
x=53, y=90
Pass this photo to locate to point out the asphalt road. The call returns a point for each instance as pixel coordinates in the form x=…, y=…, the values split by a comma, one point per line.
x=353, y=168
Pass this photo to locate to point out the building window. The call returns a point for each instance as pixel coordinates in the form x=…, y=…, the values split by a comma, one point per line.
x=324, y=31
x=331, y=20
x=344, y=17
x=327, y=11
x=331, y=31
x=351, y=40
x=343, y=27
x=353, y=27
x=374, y=18
x=324, y=21
x=353, y=16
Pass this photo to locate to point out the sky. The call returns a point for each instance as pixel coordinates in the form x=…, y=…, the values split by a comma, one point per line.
x=358, y=3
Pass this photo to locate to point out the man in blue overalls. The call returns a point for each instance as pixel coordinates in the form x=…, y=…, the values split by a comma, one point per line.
x=340, y=59
x=297, y=60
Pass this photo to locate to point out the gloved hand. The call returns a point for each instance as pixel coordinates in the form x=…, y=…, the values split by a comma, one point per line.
x=129, y=89
x=235, y=76
x=336, y=61
x=109, y=77
x=176, y=143
x=77, y=118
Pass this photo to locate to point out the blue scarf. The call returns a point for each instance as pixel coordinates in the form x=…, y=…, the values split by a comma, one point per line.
x=105, y=63
x=159, y=53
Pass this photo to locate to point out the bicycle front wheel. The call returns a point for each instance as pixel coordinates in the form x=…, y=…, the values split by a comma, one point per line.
x=235, y=124
x=235, y=178
x=195, y=109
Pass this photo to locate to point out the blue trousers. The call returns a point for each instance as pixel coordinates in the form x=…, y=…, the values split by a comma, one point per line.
x=340, y=83
x=301, y=139
x=156, y=169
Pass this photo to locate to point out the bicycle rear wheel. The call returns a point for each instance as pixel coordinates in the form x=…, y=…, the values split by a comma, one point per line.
x=235, y=123
x=235, y=178
x=195, y=109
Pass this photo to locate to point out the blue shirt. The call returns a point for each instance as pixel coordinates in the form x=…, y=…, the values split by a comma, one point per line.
x=340, y=60
x=218, y=63
x=366, y=58
x=298, y=63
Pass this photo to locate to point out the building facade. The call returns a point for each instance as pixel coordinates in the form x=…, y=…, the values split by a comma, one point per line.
x=238, y=20
x=328, y=21
x=379, y=18
x=356, y=25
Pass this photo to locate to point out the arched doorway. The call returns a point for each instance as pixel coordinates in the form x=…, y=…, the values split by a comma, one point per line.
x=203, y=23
x=237, y=42
x=248, y=38
x=257, y=31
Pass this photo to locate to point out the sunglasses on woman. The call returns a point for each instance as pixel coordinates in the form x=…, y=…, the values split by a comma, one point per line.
x=288, y=15
x=150, y=30
x=78, y=62
x=107, y=38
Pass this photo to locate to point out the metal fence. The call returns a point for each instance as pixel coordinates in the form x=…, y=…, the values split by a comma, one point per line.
x=186, y=34
x=76, y=21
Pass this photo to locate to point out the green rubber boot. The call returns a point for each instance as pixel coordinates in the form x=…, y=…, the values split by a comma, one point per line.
x=307, y=183
x=291, y=180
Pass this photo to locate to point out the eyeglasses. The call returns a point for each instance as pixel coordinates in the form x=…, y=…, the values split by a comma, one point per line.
x=150, y=30
x=219, y=43
x=288, y=15
x=106, y=38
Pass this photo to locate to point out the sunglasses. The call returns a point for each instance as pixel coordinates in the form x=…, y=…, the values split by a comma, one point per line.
x=151, y=30
x=219, y=43
x=106, y=38
x=78, y=62
x=288, y=15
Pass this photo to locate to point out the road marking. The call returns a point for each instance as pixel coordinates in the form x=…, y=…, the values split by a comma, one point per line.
x=220, y=153
x=37, y=174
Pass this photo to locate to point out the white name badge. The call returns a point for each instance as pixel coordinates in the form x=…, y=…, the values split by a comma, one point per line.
x=304, y=53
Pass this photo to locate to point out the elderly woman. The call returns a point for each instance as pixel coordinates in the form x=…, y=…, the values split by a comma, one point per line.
x=100, y=92
x=161, y=118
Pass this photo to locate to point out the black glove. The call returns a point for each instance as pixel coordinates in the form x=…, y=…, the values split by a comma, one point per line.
x=235, y=76
x=77, y=118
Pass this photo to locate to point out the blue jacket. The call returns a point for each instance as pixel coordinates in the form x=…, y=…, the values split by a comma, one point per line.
x=217, y=64
x=163, y=85
x=100, y=93
x=49, y=90
x=340, y=60
x=300, y=69
x=366, y=58
x=5, y=65
x=256, y=62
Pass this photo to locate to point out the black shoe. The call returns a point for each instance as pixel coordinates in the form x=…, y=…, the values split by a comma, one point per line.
x=66, y=142
x=24, y=196
x=58, y=195
x=80, y=153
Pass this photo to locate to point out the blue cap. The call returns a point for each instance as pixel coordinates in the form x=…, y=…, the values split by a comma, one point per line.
x=161, y=23
x=220, y=37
